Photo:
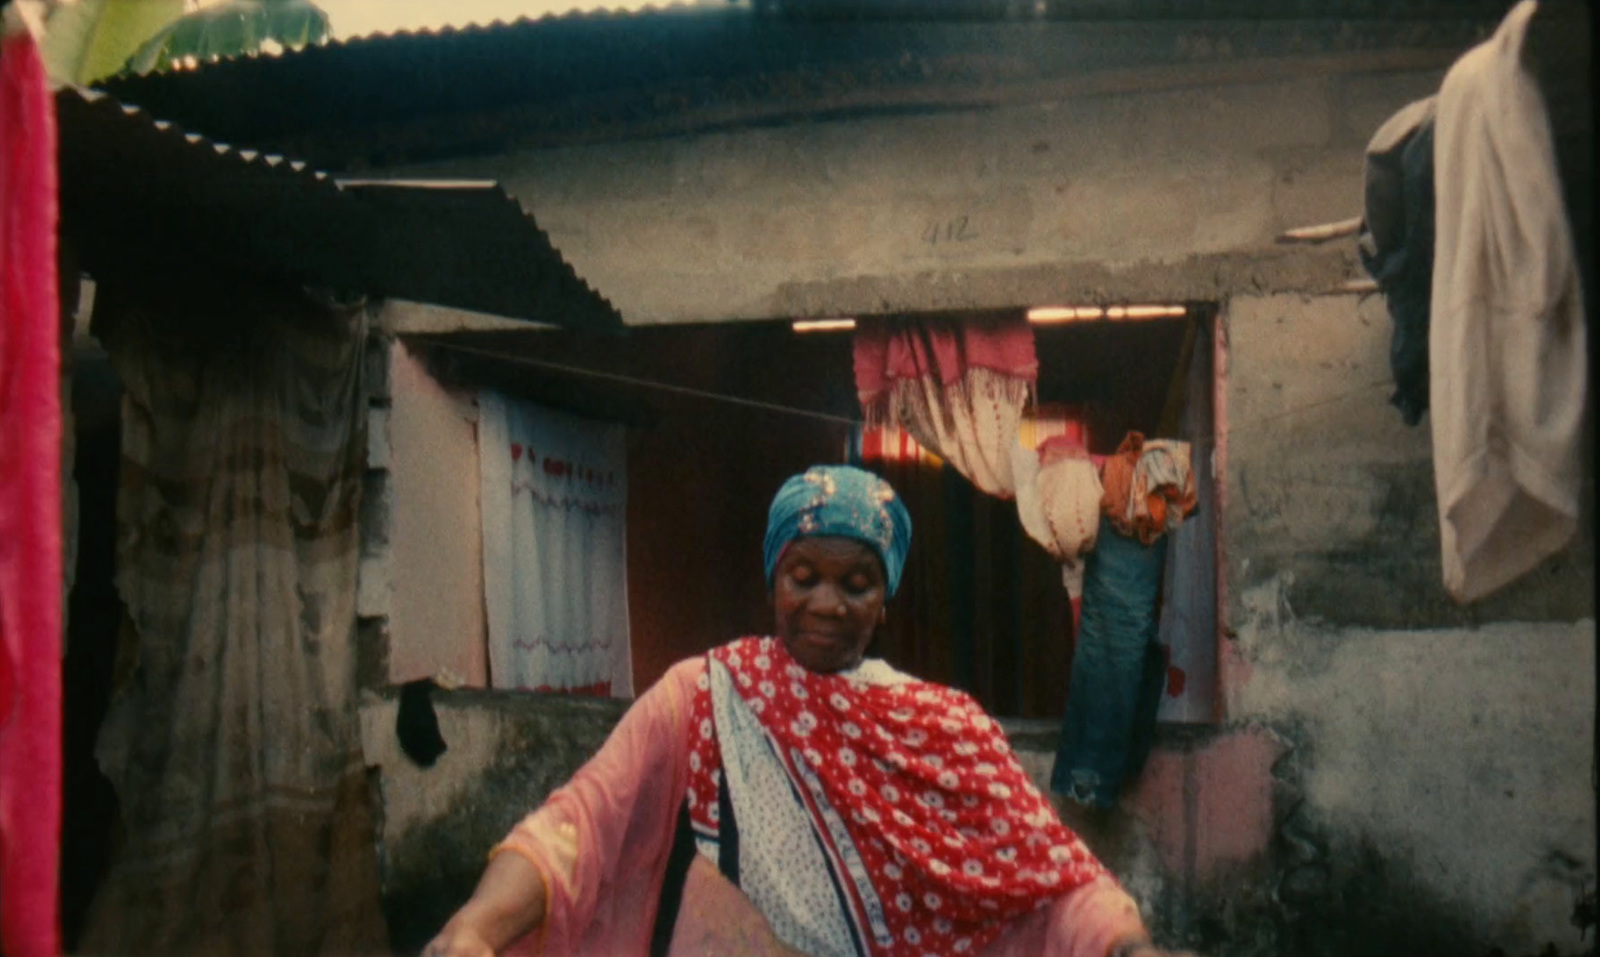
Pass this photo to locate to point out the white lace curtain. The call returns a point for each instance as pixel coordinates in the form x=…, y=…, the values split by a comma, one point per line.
x=554, y=501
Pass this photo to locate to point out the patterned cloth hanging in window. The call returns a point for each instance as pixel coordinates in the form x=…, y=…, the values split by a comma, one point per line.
x=959, y=387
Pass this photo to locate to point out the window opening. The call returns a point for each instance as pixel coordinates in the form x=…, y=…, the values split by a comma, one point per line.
x=718, y=415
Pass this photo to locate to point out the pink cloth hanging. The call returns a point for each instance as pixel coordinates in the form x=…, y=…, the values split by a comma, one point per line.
x=30, y=521
x=959, y=387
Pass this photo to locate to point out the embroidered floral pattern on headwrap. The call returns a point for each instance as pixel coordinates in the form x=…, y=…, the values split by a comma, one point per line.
x=845, y=501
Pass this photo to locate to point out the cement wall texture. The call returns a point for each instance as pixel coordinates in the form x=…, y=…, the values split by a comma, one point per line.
x=1438, y=789
x=1439, y=792
x=503, y=754
x=1329, y=491
x=1396, y=773
x=1161, y=195
x=437, y=625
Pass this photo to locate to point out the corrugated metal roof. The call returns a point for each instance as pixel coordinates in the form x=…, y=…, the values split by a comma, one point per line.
x=139, y=193
x=387, y=99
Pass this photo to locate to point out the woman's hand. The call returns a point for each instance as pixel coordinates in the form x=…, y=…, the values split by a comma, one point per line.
x=508, y=903
x=458, y=940
x=1144, y=948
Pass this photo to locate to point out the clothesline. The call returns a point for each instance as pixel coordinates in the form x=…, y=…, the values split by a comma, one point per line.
x=827, y=417
x=649, y=384
x=1296, y=410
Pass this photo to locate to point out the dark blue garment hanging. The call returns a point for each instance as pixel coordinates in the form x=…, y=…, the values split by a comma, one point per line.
x=1396, y=244
x=1118, y=671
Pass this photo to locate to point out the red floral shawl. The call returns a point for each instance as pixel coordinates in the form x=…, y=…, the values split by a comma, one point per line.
x=936, y=812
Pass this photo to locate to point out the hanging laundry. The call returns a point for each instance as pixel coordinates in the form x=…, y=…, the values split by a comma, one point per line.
x=959, y=387
x=1507, y=340
x=1058, y=501
x=1396, y=244
x=1116, y=476
x=1030, y=513
x=1118, y=671
x=1188, y=629
x=416, y=724
x=554, y=499
x=30, y=488
x=235, y=747
x=1162, y=492
x=1149, y=486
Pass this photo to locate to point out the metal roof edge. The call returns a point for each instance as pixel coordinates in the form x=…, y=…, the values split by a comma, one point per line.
x=110, y=106
x=88, y=119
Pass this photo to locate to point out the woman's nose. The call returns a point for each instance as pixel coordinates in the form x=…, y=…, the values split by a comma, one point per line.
x=827, y=599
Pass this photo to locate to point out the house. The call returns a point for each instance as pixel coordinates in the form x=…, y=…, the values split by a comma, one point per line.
x=1376, y=768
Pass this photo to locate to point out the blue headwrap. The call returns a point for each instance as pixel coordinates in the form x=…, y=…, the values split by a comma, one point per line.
x=845, y=501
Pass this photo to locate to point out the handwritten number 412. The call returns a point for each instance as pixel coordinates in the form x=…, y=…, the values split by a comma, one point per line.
x=957, y=230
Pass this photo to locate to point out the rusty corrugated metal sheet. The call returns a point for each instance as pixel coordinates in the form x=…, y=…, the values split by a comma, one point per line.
x=139, y=193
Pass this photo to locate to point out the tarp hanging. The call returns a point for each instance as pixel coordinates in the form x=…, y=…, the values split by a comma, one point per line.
x=30, y=517
x=234, y=746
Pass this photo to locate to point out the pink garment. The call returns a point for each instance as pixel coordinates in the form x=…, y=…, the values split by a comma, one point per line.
x=30, y=516
x=601, y=842
x=887, y=352
x=959, y=388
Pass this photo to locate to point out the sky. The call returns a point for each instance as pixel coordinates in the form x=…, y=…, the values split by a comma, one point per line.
x=353, y=18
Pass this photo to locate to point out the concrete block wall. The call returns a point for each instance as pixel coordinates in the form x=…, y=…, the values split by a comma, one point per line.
x=1167, y=194
x=374, y=590
x=1437, y=789
x=1332, y=493
x=437, y=624
x=420, y=615
x=504, y=753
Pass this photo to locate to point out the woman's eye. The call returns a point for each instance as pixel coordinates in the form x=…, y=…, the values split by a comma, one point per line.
x=859, y=585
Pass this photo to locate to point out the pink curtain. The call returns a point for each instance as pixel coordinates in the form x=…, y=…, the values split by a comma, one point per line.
x=958, y=386
x=30, y=520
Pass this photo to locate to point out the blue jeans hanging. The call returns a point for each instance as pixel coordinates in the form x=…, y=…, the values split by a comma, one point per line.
x=1118, y=671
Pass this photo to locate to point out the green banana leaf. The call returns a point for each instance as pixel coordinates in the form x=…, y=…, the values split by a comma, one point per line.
x=87, y=40
x=230, y=29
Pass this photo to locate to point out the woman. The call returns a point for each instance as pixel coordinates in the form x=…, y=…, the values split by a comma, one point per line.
x=795, y=798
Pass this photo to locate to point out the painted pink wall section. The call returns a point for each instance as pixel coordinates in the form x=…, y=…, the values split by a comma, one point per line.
x=1211, y=806
x=436, y=619
x=1231, y=671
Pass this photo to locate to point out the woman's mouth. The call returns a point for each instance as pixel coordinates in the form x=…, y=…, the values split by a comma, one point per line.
x=829, y=638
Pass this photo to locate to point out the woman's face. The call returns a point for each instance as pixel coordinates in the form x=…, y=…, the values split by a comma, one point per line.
x=827, y=596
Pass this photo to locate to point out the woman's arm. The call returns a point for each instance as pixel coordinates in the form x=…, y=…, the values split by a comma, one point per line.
x=508, y=903
x=583, y=872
